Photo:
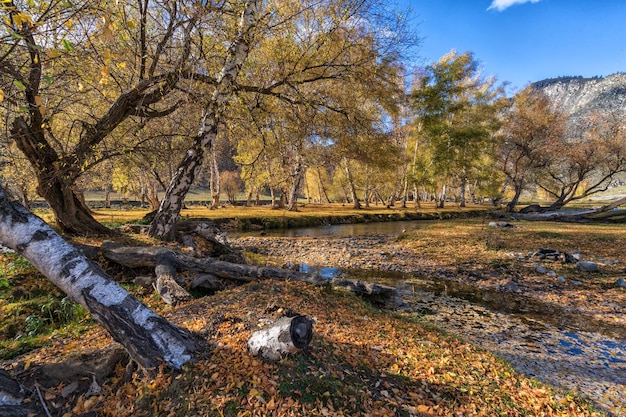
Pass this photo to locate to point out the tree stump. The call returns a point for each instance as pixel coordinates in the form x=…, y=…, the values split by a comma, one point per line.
x=286, y=335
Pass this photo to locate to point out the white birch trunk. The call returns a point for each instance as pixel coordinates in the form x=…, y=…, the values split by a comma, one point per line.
x=148, y=337
x=286, y=335
x=163, y=225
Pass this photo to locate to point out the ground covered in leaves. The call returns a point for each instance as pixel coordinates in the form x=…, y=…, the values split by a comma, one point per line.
x=361, y=362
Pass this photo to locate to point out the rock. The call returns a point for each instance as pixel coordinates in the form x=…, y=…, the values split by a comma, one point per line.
x=577, y=282
x=511, y=286
x=541, y=270
x=620, y=283
x=500, y=224
x=551, y=273
x=11, y=393
x=587, y=266
x=561, y=279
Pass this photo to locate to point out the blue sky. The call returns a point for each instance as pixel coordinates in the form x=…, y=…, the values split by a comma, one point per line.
x=523, y=41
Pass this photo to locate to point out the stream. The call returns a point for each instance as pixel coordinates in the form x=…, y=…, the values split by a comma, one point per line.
x=540, y=339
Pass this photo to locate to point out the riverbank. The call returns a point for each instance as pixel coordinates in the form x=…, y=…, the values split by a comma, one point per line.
x=480, y=283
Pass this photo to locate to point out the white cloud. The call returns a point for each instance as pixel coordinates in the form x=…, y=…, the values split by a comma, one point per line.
x=500, y=5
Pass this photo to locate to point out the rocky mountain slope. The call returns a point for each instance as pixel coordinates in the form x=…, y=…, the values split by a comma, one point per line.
x=579, y=97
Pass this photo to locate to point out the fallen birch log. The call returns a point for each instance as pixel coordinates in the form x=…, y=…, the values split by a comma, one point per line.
x=285, y=336
x=212, y=271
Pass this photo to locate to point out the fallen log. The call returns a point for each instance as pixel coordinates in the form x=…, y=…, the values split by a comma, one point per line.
x=212, y=270
x=286, y=335
x=134, y=257
x=166, y=284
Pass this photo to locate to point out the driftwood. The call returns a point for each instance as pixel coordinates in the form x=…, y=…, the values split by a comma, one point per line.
x=286, y=335
x=600, y=214
x=212, y=273
x=134, y=257
x=12, y=396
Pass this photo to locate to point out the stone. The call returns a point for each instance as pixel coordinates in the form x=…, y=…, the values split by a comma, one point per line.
x=551, y=273
x=541, y=270
x=587, y=266
x=511, y=286
x=620, y=283
x=561, y=279
x=500, y=224
x=577, y=282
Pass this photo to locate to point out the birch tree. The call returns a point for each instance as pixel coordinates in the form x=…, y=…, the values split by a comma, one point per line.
x=296, y=52
x=148, y=337
x=163, y=224
x=458, y=110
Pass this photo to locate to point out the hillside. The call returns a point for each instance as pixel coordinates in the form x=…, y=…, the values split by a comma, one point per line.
x=579, y=97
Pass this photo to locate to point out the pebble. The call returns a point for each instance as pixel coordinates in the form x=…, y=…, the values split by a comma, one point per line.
x=620, y=283
x=541, y=270
x=587, y=266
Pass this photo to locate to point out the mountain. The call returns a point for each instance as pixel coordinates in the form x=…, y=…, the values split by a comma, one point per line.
x=578, y=97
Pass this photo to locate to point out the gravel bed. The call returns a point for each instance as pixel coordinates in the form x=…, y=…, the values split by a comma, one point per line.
x=591, y=364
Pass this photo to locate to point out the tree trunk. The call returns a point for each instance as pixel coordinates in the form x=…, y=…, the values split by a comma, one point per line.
x=463, y=188
x=71, y=215
x=442, y=198
x=367, y=192
x=166, y=284
x=321, y=186
x=215, y=180
x=148, y=337
x=162, y=226
x=295, y=186
x=107, y=197
x=355, y=199
x=511, y=204
x=286, y=335
x=153, y=197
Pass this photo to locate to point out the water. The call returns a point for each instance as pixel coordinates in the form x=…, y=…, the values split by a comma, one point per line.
x=340, y=230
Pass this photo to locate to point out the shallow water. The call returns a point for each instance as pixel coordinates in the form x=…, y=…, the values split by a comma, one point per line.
x=339, y=230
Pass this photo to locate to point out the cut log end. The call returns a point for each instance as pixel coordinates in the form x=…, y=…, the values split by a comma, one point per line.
x=285, y=336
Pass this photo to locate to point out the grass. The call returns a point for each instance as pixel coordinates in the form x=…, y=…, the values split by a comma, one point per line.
x=32, y=310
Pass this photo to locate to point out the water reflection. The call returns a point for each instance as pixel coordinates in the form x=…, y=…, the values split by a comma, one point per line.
x=340, y=230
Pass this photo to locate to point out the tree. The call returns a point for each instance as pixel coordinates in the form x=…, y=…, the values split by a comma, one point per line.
x=458, y=111
x=528, y=127
x=231, y=184
x=585, y=164
x=74, y=74
x=148, y=337
x=281, y=50
x=163, y=224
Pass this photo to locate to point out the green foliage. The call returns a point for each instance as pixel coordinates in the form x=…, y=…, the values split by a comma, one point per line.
x=457, y=112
